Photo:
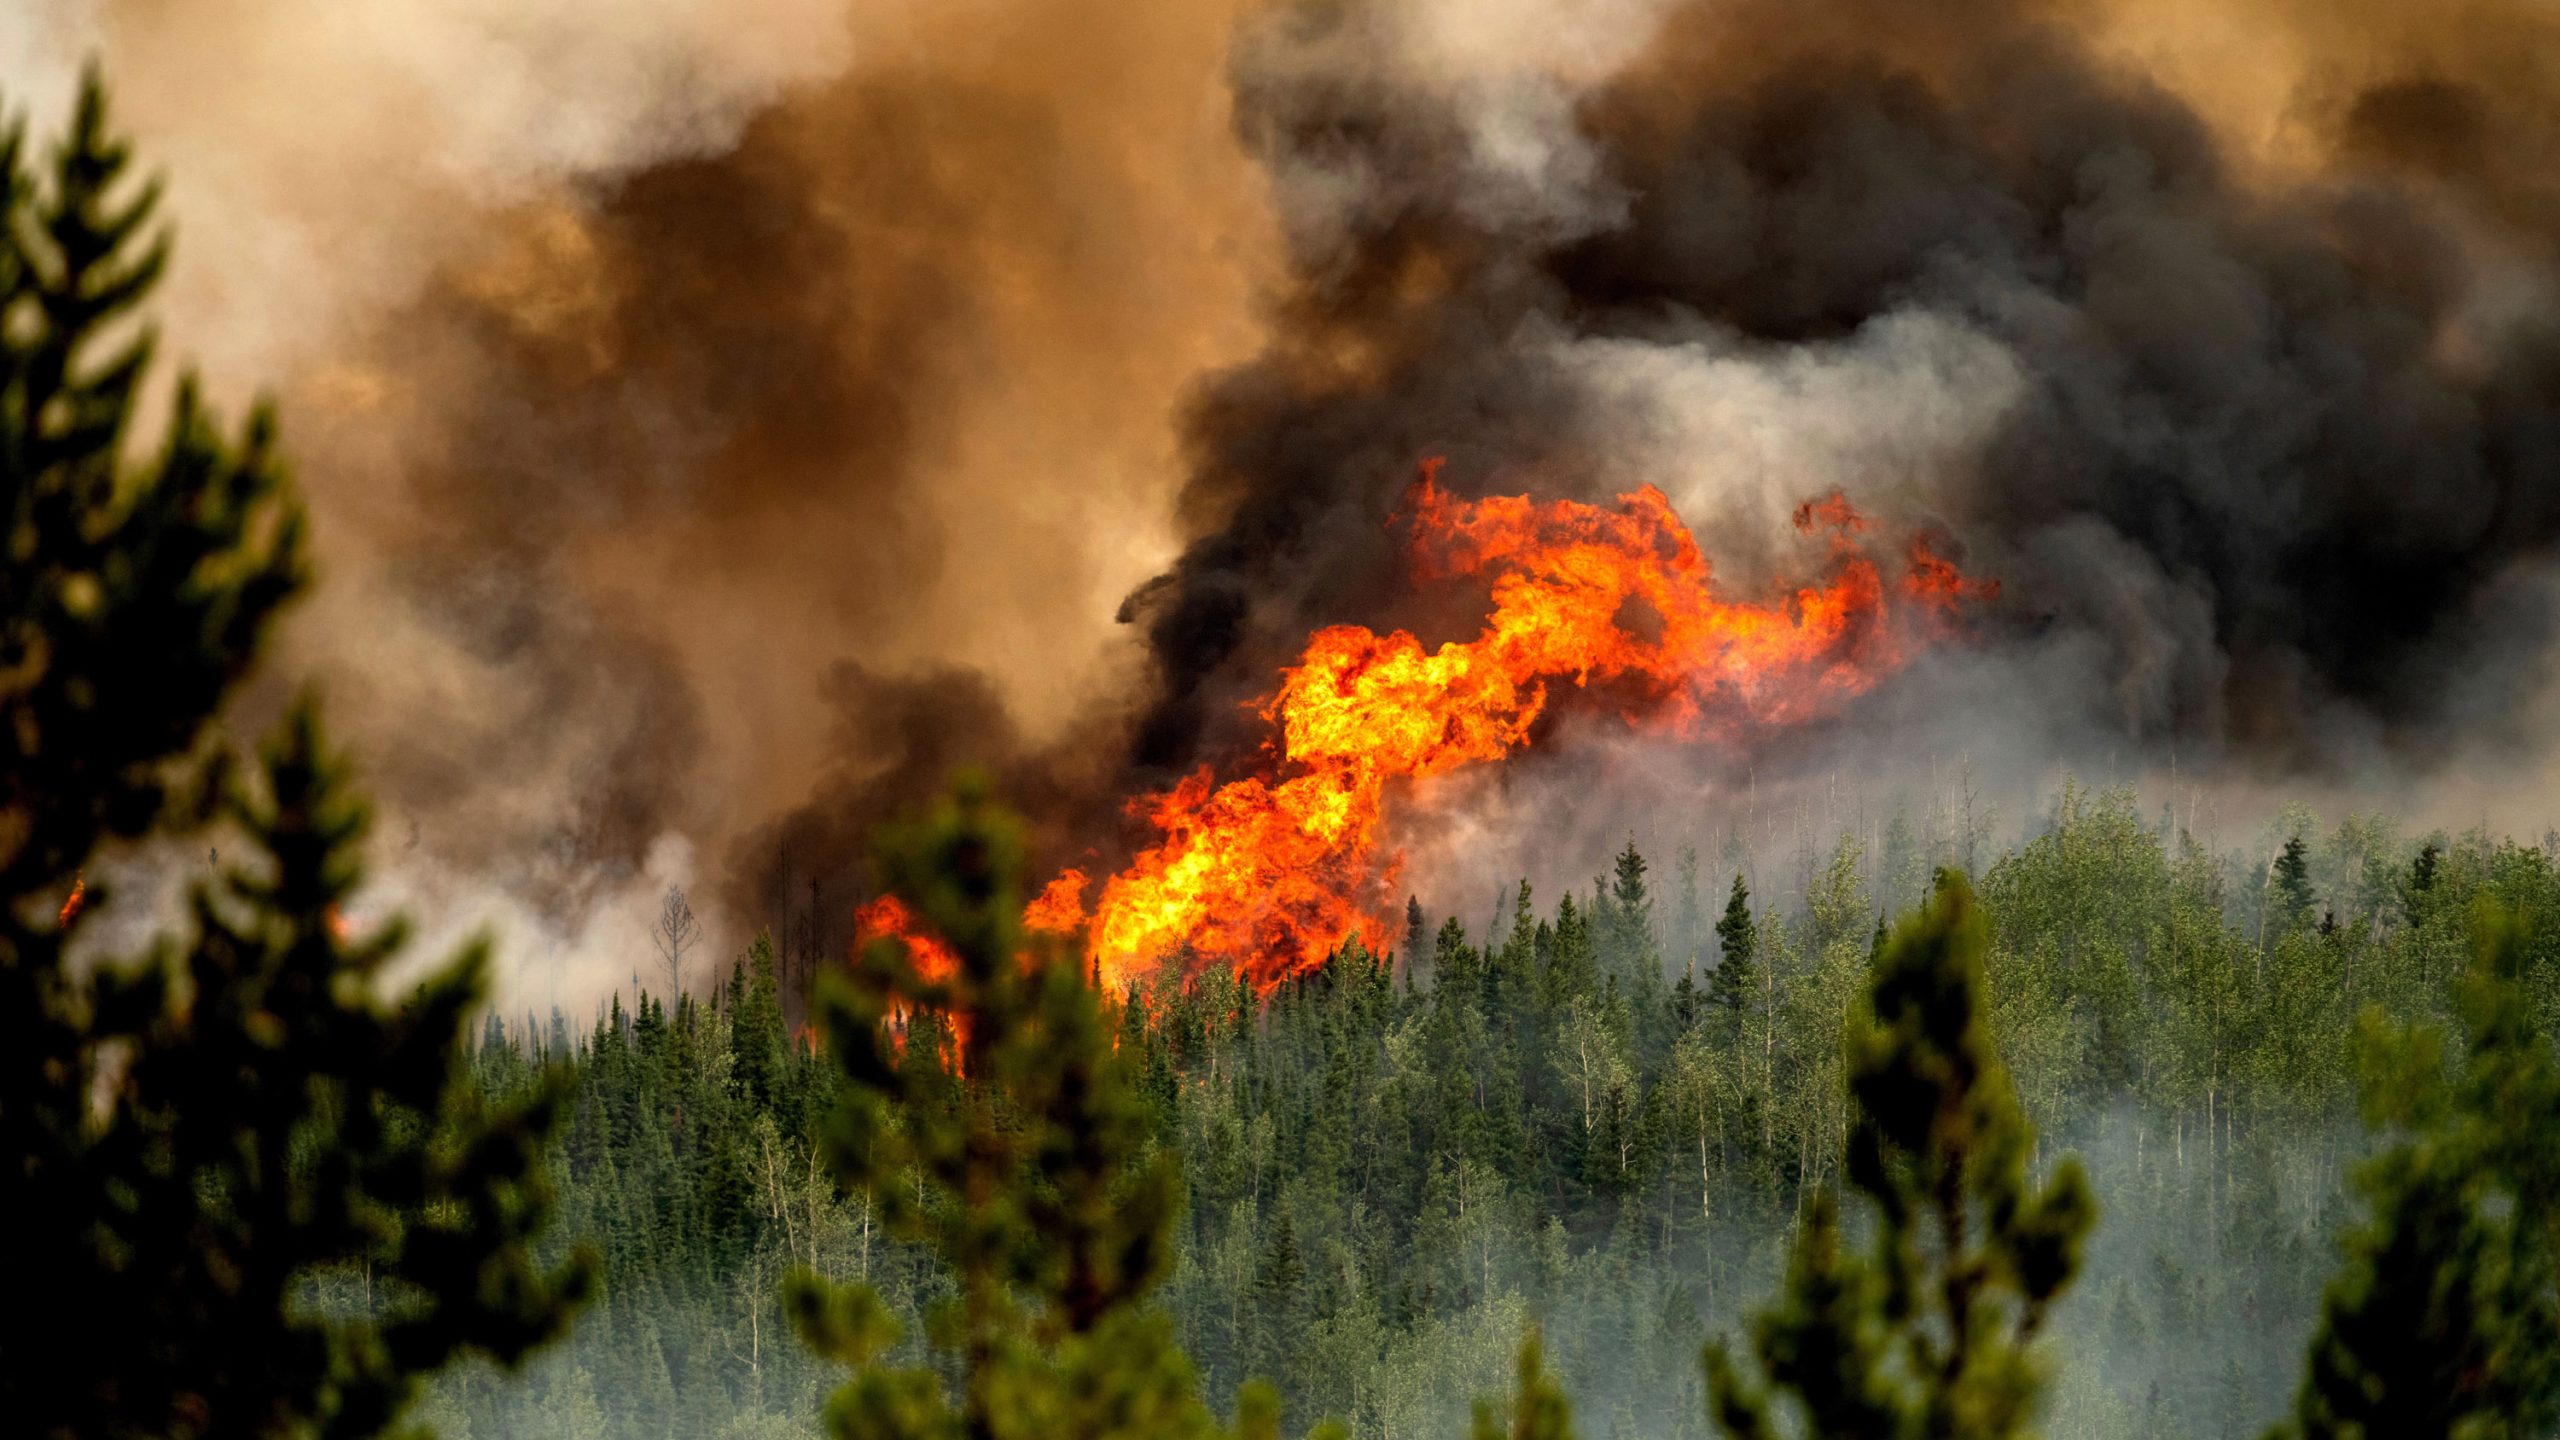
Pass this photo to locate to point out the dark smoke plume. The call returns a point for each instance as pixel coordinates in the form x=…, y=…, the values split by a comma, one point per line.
x=749, y=412
x=2278, y=448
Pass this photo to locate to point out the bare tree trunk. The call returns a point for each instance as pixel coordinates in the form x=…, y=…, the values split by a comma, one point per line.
x=675, y=936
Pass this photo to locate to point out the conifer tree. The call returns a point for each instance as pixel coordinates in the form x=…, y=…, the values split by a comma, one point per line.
x=1538, y=1408
x=2289, y=897
x=1279, y=1300
x=1929, y=1333
x=2442, y=1322
x=209, y=1143
x=1736, y=939
x=2422, y=881
x=1033, y=1179
x=1627, y=915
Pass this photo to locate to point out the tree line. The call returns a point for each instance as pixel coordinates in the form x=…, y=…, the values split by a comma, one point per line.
x=1392, y=1167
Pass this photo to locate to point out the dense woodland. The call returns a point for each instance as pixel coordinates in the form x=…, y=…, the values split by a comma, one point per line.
x=1602, y=1115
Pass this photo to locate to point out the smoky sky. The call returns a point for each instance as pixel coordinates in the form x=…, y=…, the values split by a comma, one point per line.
x=2277, y=446
x=730, y=429
x=2312, y=423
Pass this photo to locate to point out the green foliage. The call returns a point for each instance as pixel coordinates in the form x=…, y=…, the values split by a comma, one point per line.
x=1428, y=1151
x=1034, y=1180
x=1930, y=1333
x=2289, y=897
x=2441, y=1323
x=1539, y=1410
x=1626, y=915
x=253, y=1198
x=1736, y=940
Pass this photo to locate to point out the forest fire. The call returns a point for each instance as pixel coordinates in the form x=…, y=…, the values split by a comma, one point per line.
x=888, y=918
x=1266, y=875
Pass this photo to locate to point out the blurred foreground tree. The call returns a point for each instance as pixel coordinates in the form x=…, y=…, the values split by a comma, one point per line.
x=1033, y=1176
x=249, y=1196
x=2442, y=1322
x=1033, y=1181
x=1929, y=1334
x=1538, y=1409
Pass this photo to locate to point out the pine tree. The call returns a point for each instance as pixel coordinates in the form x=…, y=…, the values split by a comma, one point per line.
x=1688, y=1002
x=1626, y=916
x=1454, y=964
x=1929, y=1333
x=1278, y=1301
x=2441, y=1323
x=213, y=1141
x=1034, y=1180
x=2289, y=897
x=758, y=1049
x=1573, y=966
x=1538, y=1409
x=2422, y=881
x=1736, y=938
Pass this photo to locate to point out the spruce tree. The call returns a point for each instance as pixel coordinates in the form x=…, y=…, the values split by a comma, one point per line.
x=1278, y=1300
x=1031, y=1176
x=1736, y=939
x=254, y=1197
x=1626, y=915
x=1538, y=1409
x=1688, y=1002
x=2441, y=1323
x=2421, y=882
x=1929, y=1332
x=2289, y=897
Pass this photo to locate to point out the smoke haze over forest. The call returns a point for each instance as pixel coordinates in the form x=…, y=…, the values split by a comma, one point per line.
x=720, y=419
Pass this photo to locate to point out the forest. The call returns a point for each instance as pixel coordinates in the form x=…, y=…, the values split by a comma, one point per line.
x=2103, y=1126
x=1602, y=1116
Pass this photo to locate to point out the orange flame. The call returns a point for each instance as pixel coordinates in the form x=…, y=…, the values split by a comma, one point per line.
x=1269, y=875
x=888, y=918
x=71, y=903
x=1059, y=907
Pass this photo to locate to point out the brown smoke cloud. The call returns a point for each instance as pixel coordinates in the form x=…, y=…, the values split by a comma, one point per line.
x=670, y=379
x=723, y=417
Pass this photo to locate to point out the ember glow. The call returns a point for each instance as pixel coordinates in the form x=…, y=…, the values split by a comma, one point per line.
x=1267, y=874
x=71, y=903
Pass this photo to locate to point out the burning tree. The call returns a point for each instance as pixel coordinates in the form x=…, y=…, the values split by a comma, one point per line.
x=201, y=1141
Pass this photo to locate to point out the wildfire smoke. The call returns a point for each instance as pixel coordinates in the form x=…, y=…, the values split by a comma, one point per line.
x=754, y=413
